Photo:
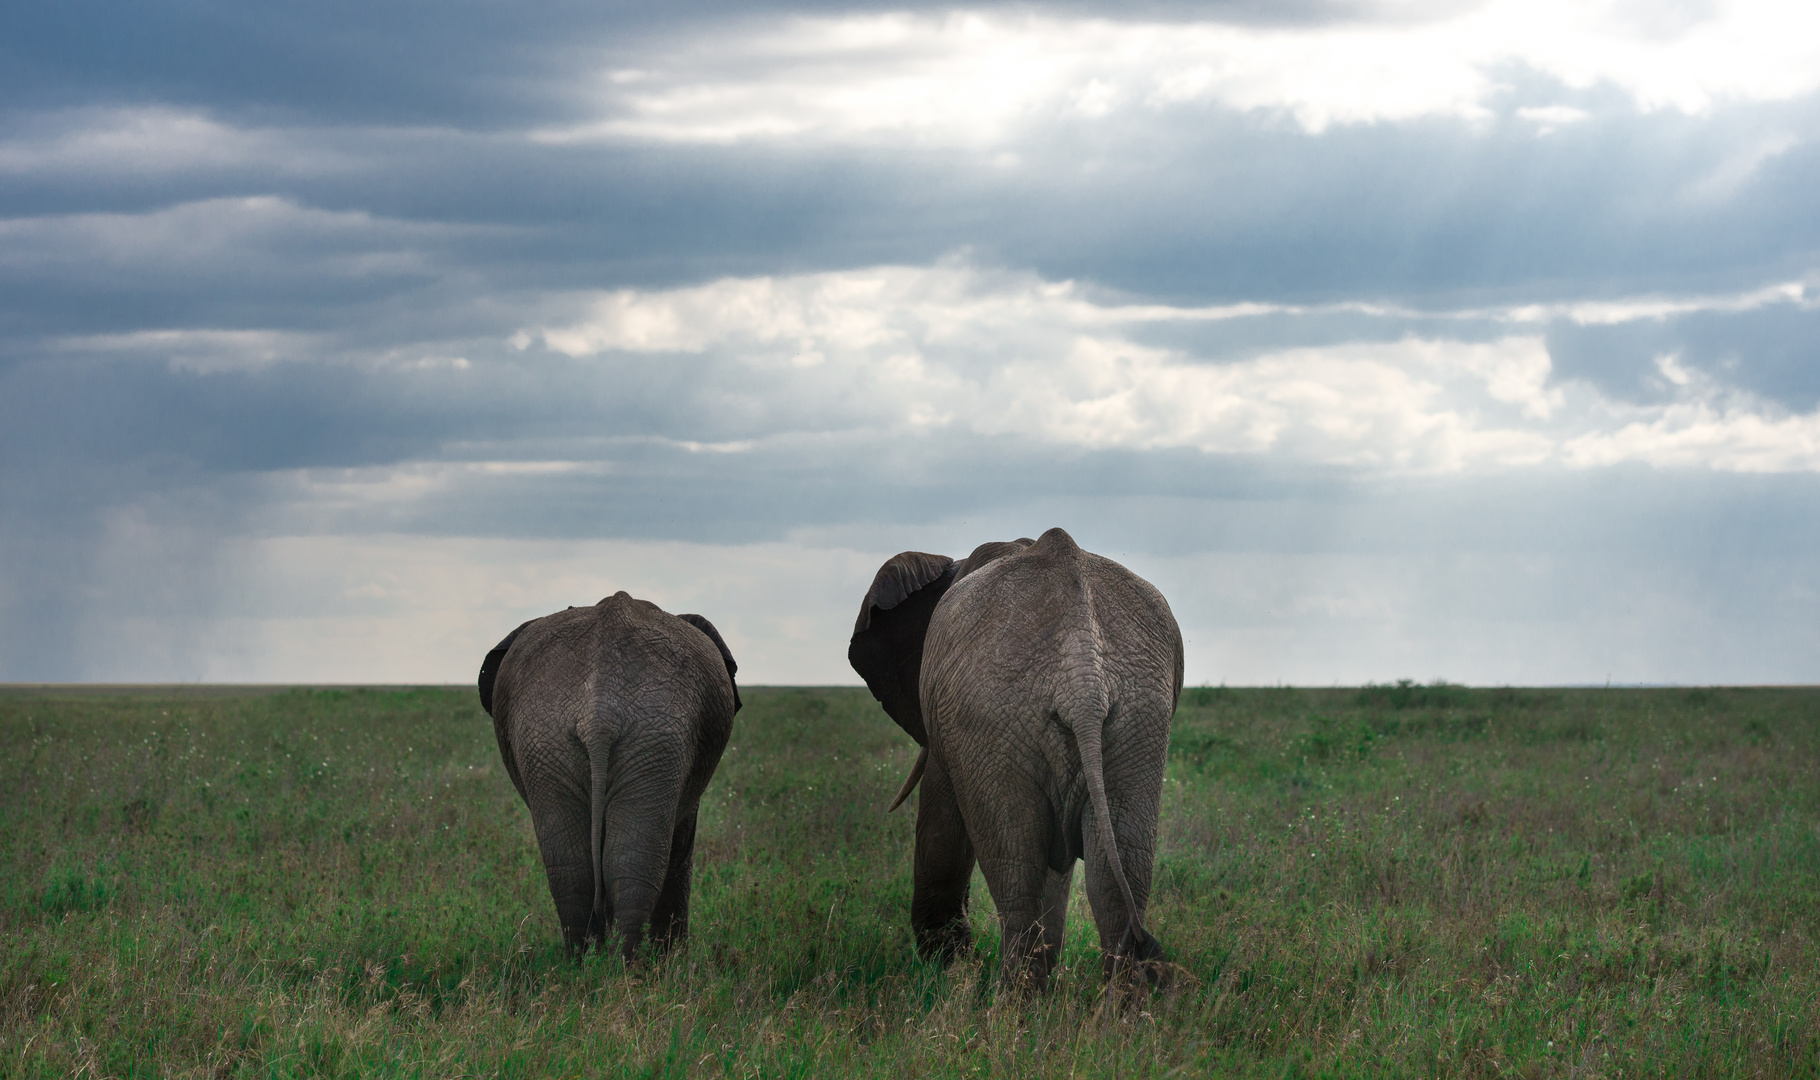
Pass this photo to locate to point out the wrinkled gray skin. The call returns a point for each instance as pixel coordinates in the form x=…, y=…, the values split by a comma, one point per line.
x=610, y=720
x=1040, y=680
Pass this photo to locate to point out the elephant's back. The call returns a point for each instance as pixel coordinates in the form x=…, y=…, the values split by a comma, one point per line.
x=609, y=664
x=1051, y=624
x=1137, y=628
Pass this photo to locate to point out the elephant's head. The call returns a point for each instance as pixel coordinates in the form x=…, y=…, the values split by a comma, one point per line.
x=887, y=645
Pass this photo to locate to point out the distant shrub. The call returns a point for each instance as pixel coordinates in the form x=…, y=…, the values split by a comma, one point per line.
x=1333, y=740
x=1711, y=698
x=1509, y=697
x=1204, y=697
x=1199, y=749
x=1409, y=694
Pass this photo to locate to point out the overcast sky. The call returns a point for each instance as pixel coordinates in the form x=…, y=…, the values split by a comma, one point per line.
x=1476, y=341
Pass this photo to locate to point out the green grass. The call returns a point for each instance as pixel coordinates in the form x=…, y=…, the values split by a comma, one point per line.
x=1405, y=880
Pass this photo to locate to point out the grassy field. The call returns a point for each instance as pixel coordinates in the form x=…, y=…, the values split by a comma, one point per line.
x=1402, y=881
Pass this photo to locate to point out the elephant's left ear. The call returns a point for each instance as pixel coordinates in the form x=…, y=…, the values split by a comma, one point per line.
x=887, y=644
x=726, y=654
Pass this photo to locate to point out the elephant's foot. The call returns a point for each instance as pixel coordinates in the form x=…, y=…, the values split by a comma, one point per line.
x=577, y=940
x=671, y=935
x=1029, y=954
x=1142, y=962
x=945, y=943
x=1027, y=977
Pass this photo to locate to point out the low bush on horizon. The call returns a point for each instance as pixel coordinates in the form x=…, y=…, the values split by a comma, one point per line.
x=1398, y=880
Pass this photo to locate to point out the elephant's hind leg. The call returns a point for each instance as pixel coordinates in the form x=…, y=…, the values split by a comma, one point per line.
x=638, y=829
x=1032, y=904
x=557, y=795
x=670, y=918
x=1114, y=920
x=572, y=887
x=1055, y=915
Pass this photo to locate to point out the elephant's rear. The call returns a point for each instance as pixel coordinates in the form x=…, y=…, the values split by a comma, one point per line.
x=1063, y=666
x=1055, y=631
x=612, y=719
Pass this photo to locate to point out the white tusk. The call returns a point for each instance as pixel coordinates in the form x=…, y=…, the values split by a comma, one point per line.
x=916, y=773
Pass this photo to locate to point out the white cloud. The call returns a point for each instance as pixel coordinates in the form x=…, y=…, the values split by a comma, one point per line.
x=1004, y=354
x=203, y=351
x=1550, y=118
x=1705, y=434
x=1801, y=294
x=1731, y=173
x=156, y=140
x=218, y=235
x=209, y=351
x=1018, y=356
x=1645, y=308
x=970, y=77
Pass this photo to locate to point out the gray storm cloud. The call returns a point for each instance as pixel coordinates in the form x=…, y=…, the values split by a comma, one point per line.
x=1470, y=341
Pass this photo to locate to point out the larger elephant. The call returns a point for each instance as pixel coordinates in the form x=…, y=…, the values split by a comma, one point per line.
x=611, y=719
x=1040, y=680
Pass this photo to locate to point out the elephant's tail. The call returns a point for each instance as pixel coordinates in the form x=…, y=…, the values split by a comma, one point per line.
x=1089, y=737
x=600, y=774
x=1085, y=707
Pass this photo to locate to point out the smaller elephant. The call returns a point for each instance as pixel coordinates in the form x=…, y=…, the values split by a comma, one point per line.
x=611, y=719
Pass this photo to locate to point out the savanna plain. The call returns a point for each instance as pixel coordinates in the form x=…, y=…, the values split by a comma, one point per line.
x=1400, y=880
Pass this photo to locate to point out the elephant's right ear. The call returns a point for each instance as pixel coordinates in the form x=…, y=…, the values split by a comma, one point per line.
x=887, y=644
x=489, y=668
x=726, y=654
